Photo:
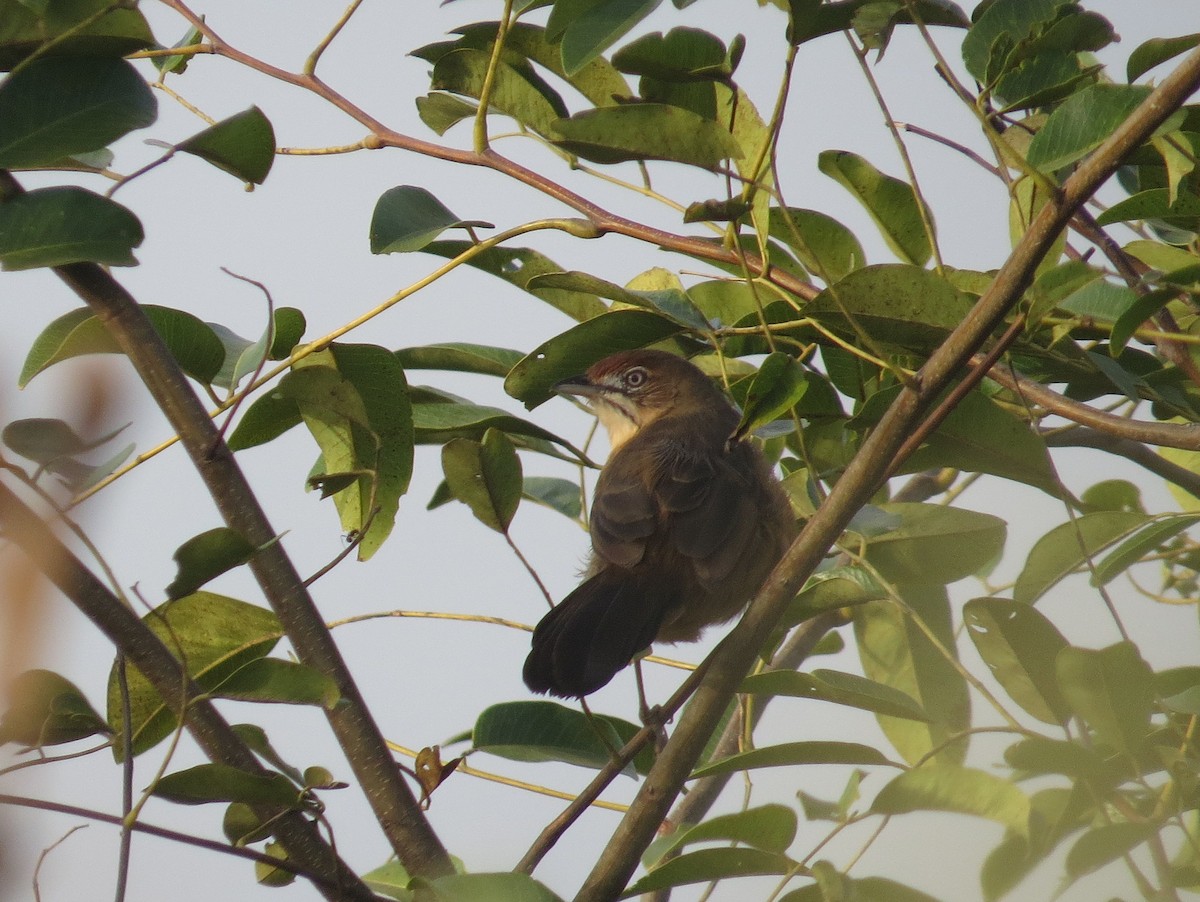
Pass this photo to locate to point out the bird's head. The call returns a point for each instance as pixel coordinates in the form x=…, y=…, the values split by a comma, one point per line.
x=631, y=389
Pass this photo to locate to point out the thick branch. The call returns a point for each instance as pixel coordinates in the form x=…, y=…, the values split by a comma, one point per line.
x=395, y=807
x=146, y=652
x=732, y=659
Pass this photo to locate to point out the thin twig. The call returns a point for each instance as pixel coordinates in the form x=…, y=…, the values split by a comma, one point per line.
x=199, y=842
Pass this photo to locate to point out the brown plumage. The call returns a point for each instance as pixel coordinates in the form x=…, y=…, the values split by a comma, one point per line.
x=686, y=523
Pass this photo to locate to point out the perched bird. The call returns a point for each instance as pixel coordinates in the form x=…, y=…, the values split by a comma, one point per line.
x=687, y=520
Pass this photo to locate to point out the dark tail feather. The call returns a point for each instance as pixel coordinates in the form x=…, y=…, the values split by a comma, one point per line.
x=592, y=634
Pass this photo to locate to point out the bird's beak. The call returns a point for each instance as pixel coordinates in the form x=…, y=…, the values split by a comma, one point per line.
x=579, y=386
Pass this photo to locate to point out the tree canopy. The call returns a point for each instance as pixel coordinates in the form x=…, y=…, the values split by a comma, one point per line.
x=997, y=301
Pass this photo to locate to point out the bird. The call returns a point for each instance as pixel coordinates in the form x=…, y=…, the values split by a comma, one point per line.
x=687, y=520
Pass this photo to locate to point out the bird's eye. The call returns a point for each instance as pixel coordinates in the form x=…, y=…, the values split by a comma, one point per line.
x=636, y=377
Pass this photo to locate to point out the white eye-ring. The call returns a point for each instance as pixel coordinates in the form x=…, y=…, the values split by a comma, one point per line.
x=636, y=377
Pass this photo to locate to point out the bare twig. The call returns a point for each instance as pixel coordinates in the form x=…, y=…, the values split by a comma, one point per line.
x=199, y=842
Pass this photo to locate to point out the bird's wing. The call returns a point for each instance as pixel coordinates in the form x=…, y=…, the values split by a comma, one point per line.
x=698, y=500
x=623, y=514
x=708, y=509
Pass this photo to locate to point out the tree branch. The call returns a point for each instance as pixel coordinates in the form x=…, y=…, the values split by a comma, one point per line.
x=283, y=864
x=1083, y=437
x=146, y=652
x=734, y=655
x=1167, y=435
x=395, y=807
x=604, y=220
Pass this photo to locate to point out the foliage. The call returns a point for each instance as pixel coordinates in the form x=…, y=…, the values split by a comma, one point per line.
x=851, y=374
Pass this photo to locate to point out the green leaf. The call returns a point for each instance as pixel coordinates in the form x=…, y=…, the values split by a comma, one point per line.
x=682, y=54
x=267, y=418
x=519, y=266
x=1104, y=843
x=223, y=783
x=532, y=104
x=547, y=731
x=391, y=880
x=242, y=826
x=1001, y=26
x=61, y=106
x=461, y=357
x=1039, y=755
x=789, y=754
x=407, y=218
x=561, y=495
x=896, y=652
x=655, y=289
x=214, y=635
x=354, y=399
x=837, y=587
x=279, y=682
x=1153, y=203
x=289, y=329
x=1112, y=690
x=812, y=19
x=881, y=889
x=840, y=688
x=915, y=551
x=45, y=440
x=178, y=64
x=193, y=344
x=242, y=145
x=598, y=81
x=1155, y=52
x=646, y=131
x=1161, y=256
x=1147, y=540
x=776, y=388
x=1068, y=547
x=47, y=709
x=532, y=380
x=1054, y=813
x=1099, y=299
x=892, y=204
x=205, y=557
x=981, y=436
x=939, y=787
x=827, y=248
x=1019, y=645
x=586, y=28
x=437, y=423
x=1132, y=319
x=55, y=447
x=707, y=865
x=65, y=224
x=256, y=740
x=896, y=304
x=441, y=112
x=485, y=476
x=1082, y=123
x=269, y=874
x=771, y=828
x=498, y=887
x=75, y=27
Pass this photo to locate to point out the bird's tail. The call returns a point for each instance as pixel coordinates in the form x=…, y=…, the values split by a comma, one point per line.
x=594, y=632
